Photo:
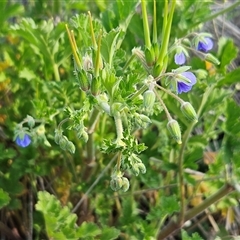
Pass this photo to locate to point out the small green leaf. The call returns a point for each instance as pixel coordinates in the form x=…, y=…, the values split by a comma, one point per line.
x=88, y=229
x=109, y=233
x=195, y=236
x=230, y=78
x=4, y=198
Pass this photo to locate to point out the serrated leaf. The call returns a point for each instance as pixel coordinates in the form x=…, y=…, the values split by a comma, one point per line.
x=4, y=198
x=109, y=233
x=88, y=229
x=185, y=236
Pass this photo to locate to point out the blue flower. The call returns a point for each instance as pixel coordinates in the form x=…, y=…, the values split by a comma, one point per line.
x=183, y=86
x=23, y=142
x=205, y=45
x=180, y=58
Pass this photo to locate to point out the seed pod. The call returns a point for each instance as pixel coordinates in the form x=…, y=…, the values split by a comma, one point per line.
x=95, y=86
x=174, y=129
x=83, y=80
x=188, y=110
x=149, y=99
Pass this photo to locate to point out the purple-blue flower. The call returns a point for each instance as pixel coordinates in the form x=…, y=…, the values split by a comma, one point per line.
x=183, y=86
x=180, y=58
x=205, y=45
x=23, y=142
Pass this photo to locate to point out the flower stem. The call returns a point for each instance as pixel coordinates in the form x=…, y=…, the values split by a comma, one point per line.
x=163, y=105
x=145, y=24
x=167, y=32
x=119, y=126
x=154, y=22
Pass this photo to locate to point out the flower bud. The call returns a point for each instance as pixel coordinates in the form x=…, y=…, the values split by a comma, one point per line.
x=135, y=169
x=141, y=167
x=58, y=136
x=209, y=57
x=188, y=110
x=149, y=99
x=201, y=74
x=174, y=129
x=85, y=136
x=30, y=121
x=63, y=142
x=144, y=118
x=116, y=183
x=70, y=147
x=125, y=184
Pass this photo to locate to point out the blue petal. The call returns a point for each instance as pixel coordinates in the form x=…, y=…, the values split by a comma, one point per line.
x=205, y=45
x=191, y=77
x=186, y=87
x=180, y=58
x=182, y=87
x=24, y=142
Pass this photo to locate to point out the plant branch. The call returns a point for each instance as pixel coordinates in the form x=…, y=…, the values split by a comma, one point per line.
x=173, y=226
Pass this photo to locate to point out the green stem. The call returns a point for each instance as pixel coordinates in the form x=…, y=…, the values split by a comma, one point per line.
x=154, y=22
x=163, y=105
x=145, y=25
x=139, y=92
x=119, y=126
x=165, y=17
x=181, y=156
x=170, y=93
x=55, y=71
x=173, y=226
x=93, y=120
x=166, y=36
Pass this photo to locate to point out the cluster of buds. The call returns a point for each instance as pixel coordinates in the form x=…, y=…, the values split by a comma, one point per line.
x=119, y=182
x=63, y=141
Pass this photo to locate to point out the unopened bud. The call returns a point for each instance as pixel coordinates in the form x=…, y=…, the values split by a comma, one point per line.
x=85, y=136
x=58, y=136
x=174, y=129
x=116, y=183
x=63, y=142
x=201, y=74
x=135, y=169
x=209, y=57
x=125, y=184
x=141, y=167
x=70, y=147
x=30, y=121
x=189, y=111
x=149, y=99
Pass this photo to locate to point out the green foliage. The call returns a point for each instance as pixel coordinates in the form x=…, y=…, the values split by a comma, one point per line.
x=60, y=223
